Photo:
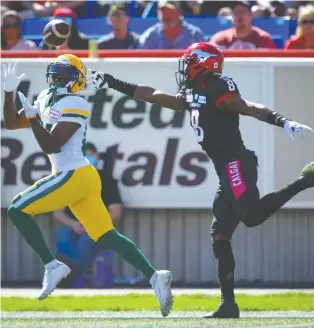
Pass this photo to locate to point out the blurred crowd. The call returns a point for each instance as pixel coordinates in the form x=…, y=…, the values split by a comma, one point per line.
x=172, y=30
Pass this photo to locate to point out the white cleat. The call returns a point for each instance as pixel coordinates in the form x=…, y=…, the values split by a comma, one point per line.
x=55, y=271
x=161, y=283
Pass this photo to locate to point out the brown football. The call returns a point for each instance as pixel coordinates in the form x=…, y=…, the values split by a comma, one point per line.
x=56, y=32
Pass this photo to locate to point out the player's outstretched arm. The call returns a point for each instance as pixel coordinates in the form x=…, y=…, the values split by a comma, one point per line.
x=140, y=92
x=12, y=118
x=49, y=142
x=238, y=105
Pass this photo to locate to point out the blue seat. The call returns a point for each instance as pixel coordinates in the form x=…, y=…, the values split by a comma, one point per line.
x=293, y=26
x=279, y=42
x=140, y=25
x=210, y=25
x=277, y=27
x=33, y=28
x=94, y=28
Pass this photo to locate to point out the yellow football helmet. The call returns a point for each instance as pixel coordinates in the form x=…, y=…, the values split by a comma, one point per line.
x=66, y=74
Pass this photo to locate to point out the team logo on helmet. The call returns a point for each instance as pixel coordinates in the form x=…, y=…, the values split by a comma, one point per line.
x=202, y=56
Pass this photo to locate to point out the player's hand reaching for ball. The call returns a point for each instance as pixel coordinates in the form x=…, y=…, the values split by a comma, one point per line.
x=292, y=126
x=29, y=110
x=10, y=80
x=99, y=79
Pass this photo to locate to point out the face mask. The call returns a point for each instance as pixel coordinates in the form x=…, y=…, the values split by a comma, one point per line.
x=92, y=159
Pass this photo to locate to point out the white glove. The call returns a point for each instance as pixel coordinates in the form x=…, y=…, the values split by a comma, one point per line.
x=10, y=80
x=29, y=110
x=292, y=126
x=99, y=79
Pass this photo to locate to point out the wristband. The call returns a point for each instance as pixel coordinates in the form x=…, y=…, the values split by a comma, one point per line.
x=122, y=86
x=276, y=119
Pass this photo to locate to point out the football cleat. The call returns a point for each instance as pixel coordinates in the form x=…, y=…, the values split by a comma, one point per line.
x=52, y=277
x=161, y=283
x=226, y=309
x=308, y=175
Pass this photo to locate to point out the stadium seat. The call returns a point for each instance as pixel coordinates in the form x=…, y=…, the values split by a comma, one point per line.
x=140, y=25
x=33, y=27
x=278, y=28
x=94, y=28
x=210, y=25
x=293, y=26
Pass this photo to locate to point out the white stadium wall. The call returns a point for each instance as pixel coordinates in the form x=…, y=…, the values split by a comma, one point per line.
x=169, y=205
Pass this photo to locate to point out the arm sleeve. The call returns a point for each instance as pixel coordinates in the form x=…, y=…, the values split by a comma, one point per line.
x=225, y=88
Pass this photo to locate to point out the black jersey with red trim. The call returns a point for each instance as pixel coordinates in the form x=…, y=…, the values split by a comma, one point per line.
x=217, y=131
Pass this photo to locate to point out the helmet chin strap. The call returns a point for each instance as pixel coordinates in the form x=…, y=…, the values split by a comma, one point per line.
x=58, y=91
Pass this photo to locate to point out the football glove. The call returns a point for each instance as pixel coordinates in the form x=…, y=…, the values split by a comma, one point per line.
x=292, y=126
x=99, y=79
x=10, y=80
x=29, y=110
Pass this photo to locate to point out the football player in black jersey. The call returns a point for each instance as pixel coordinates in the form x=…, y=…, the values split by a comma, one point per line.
x=215, y=104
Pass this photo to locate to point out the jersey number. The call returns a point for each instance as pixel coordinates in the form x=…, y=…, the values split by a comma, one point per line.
x=194, y=122
x=231, y=85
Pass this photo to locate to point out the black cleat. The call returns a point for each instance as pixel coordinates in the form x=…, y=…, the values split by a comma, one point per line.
x=226, y=309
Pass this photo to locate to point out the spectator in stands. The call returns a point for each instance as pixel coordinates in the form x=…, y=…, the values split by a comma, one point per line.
x=304, y=38
x=261, y=11
x=243, y=35
x=31, y=9
x=120, y=38
x=143, y=8
x=76, y=40
x=211, y=8
x=279, y=8
x=73, y=244
x=292, y=13
x=172, y=32
x=224, y=12
x=4, y=9
x=47, y=8
x=11, y=32
x=192, y=8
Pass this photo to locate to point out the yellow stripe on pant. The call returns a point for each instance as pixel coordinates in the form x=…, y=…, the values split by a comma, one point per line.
x=79, y=189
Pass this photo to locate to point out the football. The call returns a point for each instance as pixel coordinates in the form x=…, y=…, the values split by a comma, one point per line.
x=56, y=32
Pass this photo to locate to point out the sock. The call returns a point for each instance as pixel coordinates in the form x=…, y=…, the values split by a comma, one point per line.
x=52, y=264
x=226, y=264
x=269, y=204
x=127, y=250
x=31, y=233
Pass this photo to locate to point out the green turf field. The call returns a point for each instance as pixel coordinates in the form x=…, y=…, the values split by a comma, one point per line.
x=136, y=302
x=154, y=320
x=287, y=310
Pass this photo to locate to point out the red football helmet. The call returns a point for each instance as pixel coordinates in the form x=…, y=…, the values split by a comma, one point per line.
x=199, y=59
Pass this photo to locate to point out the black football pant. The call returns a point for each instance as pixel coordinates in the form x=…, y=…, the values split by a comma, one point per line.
x=237, y=199
x=236, y=195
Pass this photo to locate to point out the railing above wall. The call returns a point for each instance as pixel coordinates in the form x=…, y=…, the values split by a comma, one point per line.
x=154, y=53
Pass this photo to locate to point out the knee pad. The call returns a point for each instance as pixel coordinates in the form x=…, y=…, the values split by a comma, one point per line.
x=221, y=248
x=223, y=253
